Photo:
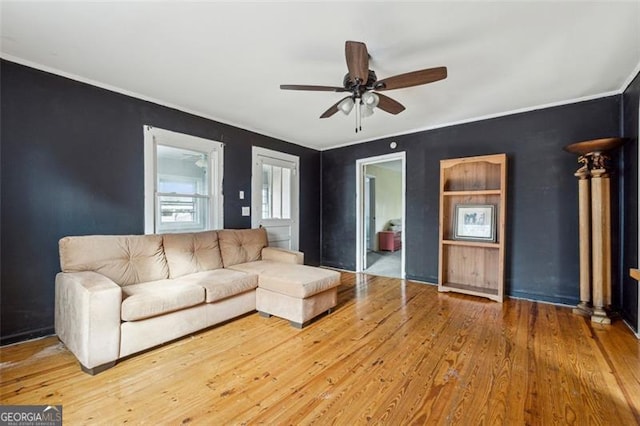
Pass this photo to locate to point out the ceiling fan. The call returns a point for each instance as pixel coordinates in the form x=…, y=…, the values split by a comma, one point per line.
x=364, y=86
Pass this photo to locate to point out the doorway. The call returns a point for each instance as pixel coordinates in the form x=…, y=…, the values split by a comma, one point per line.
x=275, y=195
x=380, y=218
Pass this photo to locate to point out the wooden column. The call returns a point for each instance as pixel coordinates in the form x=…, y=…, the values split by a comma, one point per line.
x=584, y=217
x=595, y=228
x=601, y=245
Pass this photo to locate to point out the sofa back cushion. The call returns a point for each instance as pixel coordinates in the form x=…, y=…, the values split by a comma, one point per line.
x=125, y=259
x=241, y=245
x=190, y=253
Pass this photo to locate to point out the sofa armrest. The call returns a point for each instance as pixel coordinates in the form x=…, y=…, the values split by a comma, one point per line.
x=87, y=316
x=282, y=255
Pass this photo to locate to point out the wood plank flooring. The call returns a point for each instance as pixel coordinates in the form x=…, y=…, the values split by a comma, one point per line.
x=393, y=352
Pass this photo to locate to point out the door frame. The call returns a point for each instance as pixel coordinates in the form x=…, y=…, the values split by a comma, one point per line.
x=360, y=234
x=256, y=193
x=638, y=208
x=367, y=197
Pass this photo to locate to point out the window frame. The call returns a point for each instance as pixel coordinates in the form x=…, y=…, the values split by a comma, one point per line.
x=153, y=137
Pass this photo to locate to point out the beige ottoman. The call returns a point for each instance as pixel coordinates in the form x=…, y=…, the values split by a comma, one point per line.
x=298, y=293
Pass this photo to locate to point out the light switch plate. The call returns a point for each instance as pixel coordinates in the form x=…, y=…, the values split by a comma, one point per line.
x=242, y=195
x=246, y=211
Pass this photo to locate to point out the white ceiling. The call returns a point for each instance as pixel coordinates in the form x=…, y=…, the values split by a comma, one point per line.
x=225, y=61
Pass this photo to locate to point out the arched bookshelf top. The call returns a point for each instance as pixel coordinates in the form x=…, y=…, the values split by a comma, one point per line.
x=473, y=173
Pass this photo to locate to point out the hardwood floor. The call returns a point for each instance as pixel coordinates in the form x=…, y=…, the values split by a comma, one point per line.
x=393, y=352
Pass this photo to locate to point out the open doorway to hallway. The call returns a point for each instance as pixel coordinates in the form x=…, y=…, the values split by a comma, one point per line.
x=381, y=210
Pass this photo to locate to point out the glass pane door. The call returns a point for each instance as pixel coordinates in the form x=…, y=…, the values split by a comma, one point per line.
x=276, y=192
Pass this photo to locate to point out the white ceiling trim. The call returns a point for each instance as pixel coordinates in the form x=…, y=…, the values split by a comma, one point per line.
x=484, y=117
x=204, y=58
x=629, y=79
x=119, y=90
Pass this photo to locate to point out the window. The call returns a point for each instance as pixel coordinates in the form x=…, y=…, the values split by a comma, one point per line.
x=276, y=192
x=183, y=182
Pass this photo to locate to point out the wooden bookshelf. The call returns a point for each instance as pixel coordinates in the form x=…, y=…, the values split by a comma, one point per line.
x=473, y=266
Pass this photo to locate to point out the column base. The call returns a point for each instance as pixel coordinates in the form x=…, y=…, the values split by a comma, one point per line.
x=600, y=316
x=584, y=309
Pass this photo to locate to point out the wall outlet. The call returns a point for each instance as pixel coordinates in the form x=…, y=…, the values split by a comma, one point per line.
x=242, y=195
x=246, y=211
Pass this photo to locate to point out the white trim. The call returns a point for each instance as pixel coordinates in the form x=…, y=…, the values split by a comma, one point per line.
x=635, y=333
x=284, y=160
x=263, y=132
x=137, y=95
x=360, y=165
x=149, y=180
x=629, y=79
x=475, y=119
x=365, y=225
x=215, y=151
x=276, y=155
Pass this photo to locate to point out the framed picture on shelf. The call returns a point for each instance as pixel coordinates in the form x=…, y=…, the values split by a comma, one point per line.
x=475, y=222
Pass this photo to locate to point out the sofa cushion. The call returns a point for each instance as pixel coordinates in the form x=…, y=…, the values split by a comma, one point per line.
x=241, y=245
x=223, y=283
x=299, y=281
x=154, y=298
x=125, y=259
x=282, y=255
x=192, y=252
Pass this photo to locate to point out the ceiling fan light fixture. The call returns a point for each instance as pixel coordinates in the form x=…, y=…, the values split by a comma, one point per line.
x=365, y=88
x=366, y=110
x=370, y=99
x=346, y=105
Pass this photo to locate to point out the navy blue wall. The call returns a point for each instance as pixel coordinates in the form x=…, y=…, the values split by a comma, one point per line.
x=72, y=164
x=629, y=287
x=542, y=231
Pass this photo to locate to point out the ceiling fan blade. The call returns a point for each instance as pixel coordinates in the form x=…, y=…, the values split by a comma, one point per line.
x=414, y=78
x=313, y=88
x=333, y=109
x=389, y=105
x=357, y=61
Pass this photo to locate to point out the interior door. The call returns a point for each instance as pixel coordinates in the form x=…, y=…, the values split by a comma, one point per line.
x=372, y=214
x=275, y=196
x=370, y=211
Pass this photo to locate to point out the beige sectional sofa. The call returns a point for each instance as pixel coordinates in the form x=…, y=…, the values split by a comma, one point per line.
x=118, y=295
